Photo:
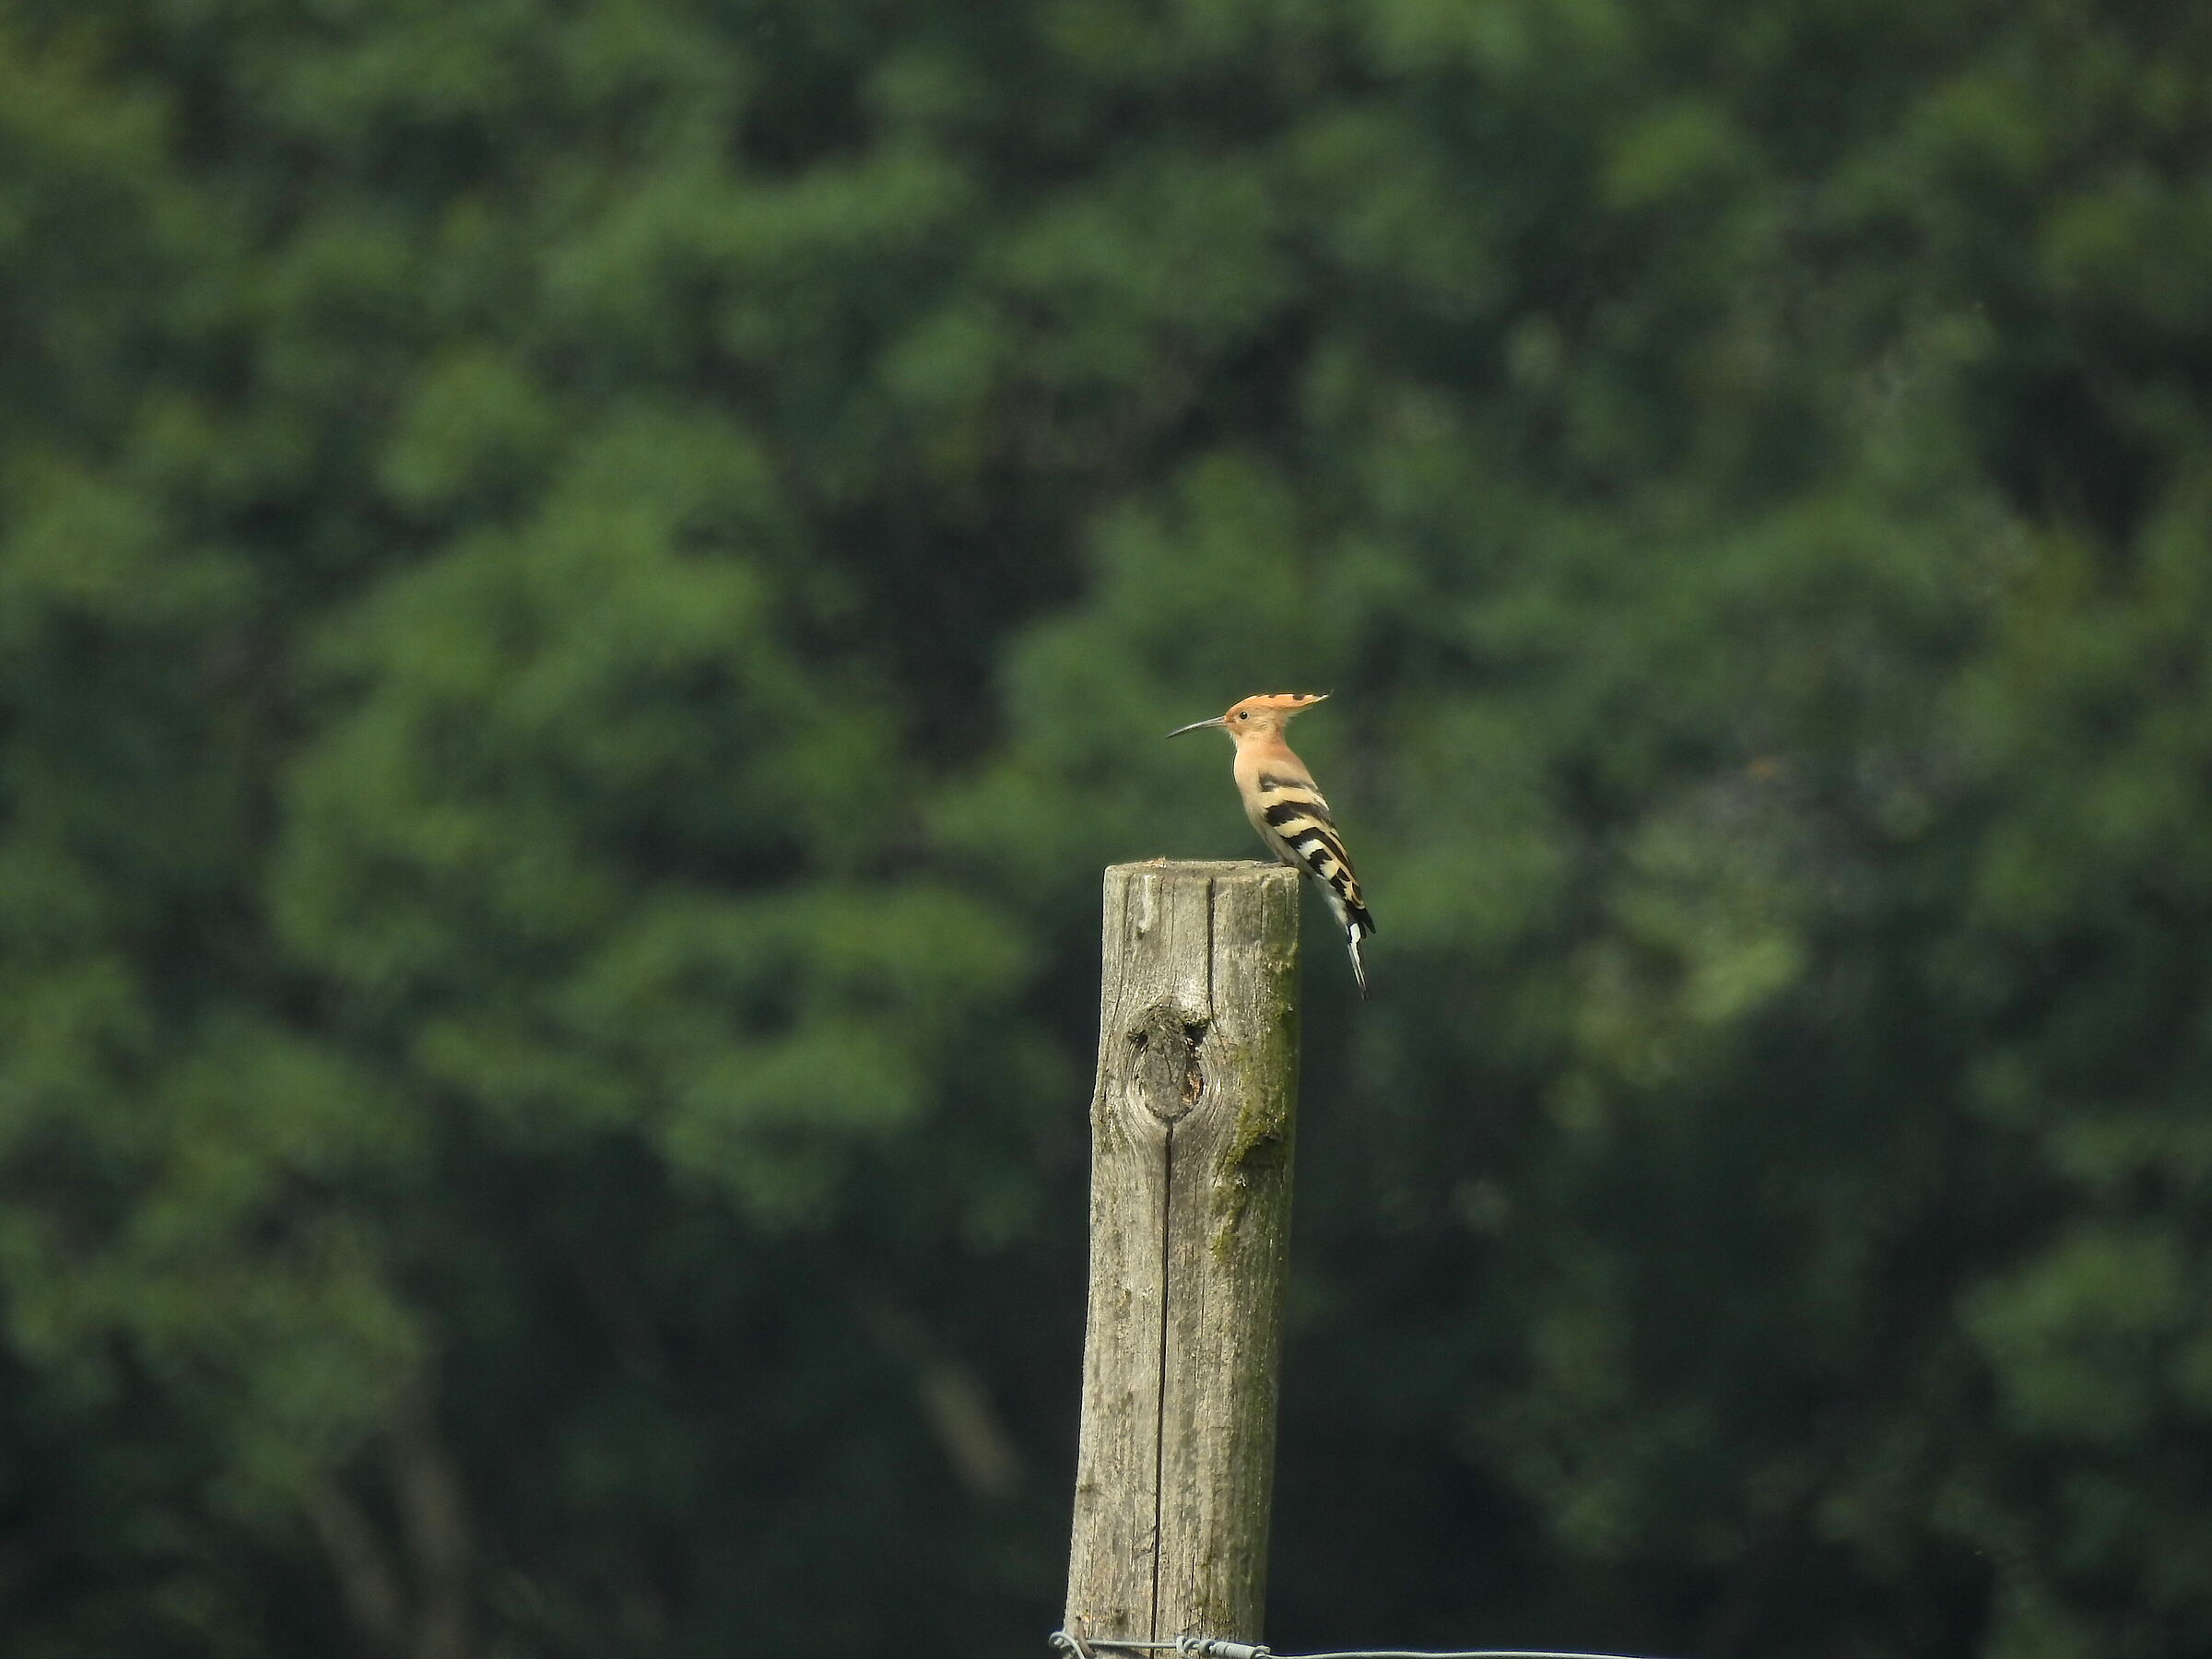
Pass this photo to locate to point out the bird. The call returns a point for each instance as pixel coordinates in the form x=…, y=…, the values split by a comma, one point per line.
x=1286, y=807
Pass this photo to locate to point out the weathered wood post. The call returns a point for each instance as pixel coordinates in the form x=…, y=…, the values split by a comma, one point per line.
x=1190, y=1226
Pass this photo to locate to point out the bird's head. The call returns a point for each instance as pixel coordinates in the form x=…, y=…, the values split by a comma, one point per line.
x=1257, y=716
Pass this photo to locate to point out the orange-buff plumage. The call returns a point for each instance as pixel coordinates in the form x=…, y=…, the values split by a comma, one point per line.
x=1286, y=809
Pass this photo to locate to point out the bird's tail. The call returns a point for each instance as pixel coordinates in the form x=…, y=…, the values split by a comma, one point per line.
x=1358, y=927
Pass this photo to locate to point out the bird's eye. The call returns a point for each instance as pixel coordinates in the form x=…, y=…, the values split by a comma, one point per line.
x=1243, y=714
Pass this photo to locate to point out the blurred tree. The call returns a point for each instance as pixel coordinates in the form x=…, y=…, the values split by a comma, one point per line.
x=549, y=559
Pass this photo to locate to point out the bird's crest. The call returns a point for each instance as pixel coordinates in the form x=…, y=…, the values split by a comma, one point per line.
x=1282, y=702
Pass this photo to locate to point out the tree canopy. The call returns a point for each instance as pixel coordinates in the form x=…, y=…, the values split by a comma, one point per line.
x=587, y=586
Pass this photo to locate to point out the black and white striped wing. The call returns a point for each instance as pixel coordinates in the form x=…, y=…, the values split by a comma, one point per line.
x=1295, y=821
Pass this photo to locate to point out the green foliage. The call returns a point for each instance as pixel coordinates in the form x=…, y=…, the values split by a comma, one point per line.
x=584, y=590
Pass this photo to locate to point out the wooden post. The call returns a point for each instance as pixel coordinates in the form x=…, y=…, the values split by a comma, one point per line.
x=1190, y=1227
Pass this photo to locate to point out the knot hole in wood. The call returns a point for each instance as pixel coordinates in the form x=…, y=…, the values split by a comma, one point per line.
x=1170, y=1077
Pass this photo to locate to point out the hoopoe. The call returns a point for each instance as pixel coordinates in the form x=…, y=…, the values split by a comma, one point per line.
x=1286, y=809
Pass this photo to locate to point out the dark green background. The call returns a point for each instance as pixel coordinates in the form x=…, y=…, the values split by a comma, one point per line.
x=586, y=585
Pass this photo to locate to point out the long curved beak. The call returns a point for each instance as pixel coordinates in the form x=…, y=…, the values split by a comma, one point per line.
x=1199, y=725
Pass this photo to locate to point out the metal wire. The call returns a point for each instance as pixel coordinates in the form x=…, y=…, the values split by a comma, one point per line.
x=1215, y=1647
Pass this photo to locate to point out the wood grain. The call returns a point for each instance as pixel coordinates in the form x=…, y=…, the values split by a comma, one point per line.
x=1192, y=1123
